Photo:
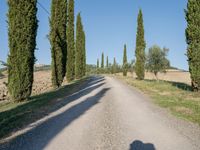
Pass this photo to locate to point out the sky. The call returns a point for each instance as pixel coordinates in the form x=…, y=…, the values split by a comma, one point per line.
x=109, y=24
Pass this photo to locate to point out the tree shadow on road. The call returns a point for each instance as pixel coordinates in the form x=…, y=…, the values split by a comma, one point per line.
x=139, y=145
x=44, y=104
x=39, y=137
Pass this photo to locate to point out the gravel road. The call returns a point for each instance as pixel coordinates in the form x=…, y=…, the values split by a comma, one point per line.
x=107, y=114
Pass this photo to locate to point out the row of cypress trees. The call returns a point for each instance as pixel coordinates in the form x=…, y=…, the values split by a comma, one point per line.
x=67, y=59
x=139, y=52
x=68, y=56
x=192, y=38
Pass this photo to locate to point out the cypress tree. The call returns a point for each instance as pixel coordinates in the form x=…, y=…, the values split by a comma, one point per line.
x=193, y=41
x=97, y=63
x=79, y=48
x=97, y=66
x=58, y=41
x=70, y=42
x=107, y=62
x=83, y=72
x=140, y=48
x=102, y=61
x=107, y=65
x=114, y=66
x=80, y=63
x=125, y=65
x=22, y=30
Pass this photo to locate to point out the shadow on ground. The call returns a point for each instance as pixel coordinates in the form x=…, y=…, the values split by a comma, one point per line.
x=179, y=85
x=39, y=106
x=139, y=145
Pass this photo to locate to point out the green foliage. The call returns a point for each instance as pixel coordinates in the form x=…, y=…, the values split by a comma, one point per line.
x=125, y=63
x=156, y=60
x=79, y=48
x=193, y=41
x=83, y=58
x=107, y=62
x=97, y=66
x=22, y=30
x=102, y=61
x=58, y=41
x=90, y=69
x=114, y=67
x=107, y=65
x=131, y=66
x=140, y=48
x=70, y=42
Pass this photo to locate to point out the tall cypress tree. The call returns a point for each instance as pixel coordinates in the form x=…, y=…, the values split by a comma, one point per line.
x=97, y=66
x=80, y=63
x=102, y=61
x=125, y=65
x=107, y=62
x=193, y=41
x=98, y=63
x=107, y=65
x=58, y=40
x=140, y=48
x=114, y=66
x=70, y=42
x=79, y=48
x=84, y=54
x=22, y=30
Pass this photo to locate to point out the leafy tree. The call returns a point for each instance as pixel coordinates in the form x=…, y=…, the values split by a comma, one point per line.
x=125, y=63
x=140, y=48
x=22, y=30
x=193, y=41
x=58, y=41
x=70, y=42
x=156, y=60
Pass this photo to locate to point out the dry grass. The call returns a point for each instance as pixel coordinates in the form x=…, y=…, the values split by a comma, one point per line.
x=175, y=96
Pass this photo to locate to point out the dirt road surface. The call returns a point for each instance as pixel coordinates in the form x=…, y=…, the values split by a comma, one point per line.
x=107, y=114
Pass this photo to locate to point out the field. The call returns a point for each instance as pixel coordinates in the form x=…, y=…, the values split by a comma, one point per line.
x=170, y=75
x=173, y=94
x=42, y=83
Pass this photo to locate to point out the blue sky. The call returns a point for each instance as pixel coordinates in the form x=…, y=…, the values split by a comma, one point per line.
x=109, y=24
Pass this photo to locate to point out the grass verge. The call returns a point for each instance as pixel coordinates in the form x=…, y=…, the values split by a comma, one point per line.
x=14, y=116
x=177, y=97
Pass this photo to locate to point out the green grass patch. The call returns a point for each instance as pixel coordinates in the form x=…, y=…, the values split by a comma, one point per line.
x=14, y=116
x=176, y=97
